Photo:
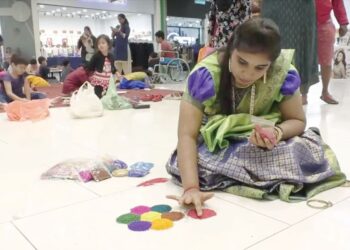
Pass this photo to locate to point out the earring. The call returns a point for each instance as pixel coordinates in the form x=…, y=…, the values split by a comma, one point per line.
x=264, y=78
x=229, y=66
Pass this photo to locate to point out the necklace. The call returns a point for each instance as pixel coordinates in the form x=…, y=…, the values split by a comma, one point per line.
x=252, y=100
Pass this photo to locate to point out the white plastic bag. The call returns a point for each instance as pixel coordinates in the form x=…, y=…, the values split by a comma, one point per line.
x=84, y=103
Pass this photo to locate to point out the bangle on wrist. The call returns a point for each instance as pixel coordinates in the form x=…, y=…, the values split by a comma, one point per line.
x=278, y=133
x=190, y=188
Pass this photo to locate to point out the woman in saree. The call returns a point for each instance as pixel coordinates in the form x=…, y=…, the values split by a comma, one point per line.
x=242, y=125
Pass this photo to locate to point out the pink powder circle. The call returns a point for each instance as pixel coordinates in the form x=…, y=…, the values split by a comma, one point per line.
x=140, y=210
x=206, y=213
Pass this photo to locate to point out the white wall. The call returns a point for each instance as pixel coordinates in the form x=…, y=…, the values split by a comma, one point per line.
x=138, y=24
x=135, y=6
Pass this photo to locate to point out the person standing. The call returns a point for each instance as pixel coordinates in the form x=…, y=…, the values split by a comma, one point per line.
x=296, y=20
x=326, y=39
x=224, y=16
x=121, y=45
x=87, y=45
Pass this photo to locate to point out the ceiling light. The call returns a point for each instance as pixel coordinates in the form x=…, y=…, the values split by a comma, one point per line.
x=41, y=6
x=48, y=13
x=104, y=12
x=78, y=12
x=64, y=8
x=84, y=10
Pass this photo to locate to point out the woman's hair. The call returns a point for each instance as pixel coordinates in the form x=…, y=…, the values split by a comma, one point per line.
x=223, y=5
x=336, y=62
x=88, y=28
x=106, y=38
x=257, y=35
x=124, y=17
x=18, y=60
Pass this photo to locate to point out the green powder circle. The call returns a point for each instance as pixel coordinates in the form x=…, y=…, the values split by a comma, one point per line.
x=128, y=218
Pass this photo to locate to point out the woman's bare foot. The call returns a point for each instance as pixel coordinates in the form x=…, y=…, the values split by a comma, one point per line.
x=327, y=98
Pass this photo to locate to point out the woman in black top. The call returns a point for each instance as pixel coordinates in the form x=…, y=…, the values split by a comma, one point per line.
x=87, y=44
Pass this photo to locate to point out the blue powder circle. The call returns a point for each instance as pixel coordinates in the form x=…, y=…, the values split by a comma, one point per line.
x=161, y=208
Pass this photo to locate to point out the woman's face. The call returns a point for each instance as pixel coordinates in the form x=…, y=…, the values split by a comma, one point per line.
x=246, y=67
x=103, y=46
x=87, y=32
x=340, y=57
x=121, y=20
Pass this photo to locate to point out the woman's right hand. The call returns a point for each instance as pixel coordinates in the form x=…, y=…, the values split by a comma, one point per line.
x=194, y=197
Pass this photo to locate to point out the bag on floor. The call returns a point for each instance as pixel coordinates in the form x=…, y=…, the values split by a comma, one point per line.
x=112, y=100
x=84, y=103
x=31, y=110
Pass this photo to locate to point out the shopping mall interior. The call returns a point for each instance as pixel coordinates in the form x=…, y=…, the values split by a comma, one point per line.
x=174, y=124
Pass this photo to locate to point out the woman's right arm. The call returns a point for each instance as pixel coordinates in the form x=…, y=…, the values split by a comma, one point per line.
x=9, y=93
x=189, y=124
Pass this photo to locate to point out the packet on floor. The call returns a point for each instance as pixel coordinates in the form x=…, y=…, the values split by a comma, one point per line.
x=73, y=169
x=100, y=174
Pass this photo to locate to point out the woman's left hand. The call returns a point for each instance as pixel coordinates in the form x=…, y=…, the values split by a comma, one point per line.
x=256, y=139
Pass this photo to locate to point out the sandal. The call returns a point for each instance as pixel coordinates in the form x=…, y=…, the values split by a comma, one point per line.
x=329, y=99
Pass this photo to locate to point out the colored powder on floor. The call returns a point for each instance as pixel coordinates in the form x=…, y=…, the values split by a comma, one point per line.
x=161, y=208
x=151, y=216
x=207, y=213
x=152, y=182
x=139, y=226
x=162, y=224
x=173, y=216
x=140, y=210
x=128, y=218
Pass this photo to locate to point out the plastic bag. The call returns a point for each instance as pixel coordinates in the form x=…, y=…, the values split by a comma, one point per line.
x=112, y=100
x=31, y=110
x=84, y=103
x=112, y=164
x=140, y=169
x=73, y=169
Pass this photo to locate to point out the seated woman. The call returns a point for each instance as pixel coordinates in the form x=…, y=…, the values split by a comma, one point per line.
x=15, y=86
x=74, y=80
x=219, y=147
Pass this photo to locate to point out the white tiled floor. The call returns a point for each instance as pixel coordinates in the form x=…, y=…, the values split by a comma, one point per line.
x=47, y=215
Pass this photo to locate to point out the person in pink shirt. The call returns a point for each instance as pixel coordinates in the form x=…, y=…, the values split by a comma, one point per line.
x=326, y=39
x=164, y=45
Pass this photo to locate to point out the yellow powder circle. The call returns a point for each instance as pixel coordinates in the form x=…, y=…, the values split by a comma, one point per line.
x=162, y=224
x=151, y=216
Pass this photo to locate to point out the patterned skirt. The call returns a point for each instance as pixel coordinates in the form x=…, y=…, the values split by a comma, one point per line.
x=301, y=162
x=296, y=20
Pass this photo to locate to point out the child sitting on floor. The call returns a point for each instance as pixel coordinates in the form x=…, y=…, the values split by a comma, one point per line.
x=43, y=69
x=33, y=75
x=101, y=65
x=32, y=68
x=14, y=85
x=66, y=69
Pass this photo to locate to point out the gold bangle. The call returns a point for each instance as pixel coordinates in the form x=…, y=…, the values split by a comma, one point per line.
x=279, y=133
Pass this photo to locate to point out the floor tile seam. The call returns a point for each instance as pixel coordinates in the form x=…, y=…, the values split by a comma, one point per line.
x=23, y=235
